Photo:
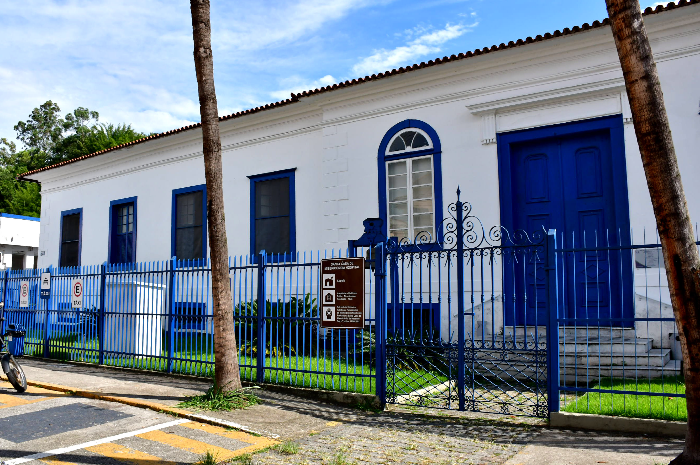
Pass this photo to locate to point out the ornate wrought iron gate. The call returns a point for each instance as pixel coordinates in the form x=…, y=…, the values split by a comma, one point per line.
x=458, y=316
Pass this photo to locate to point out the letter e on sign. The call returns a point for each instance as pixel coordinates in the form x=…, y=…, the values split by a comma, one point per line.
x=76, y=292
x=24, y=294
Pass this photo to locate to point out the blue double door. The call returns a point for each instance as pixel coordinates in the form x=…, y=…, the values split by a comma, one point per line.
x=570, y=178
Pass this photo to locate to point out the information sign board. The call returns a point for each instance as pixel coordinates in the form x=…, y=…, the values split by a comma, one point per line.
x=45, y=289
x=77, y=293
x=343, y=293
x=24, y=294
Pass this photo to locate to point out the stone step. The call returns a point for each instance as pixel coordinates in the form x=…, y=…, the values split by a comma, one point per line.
x=523, y=370
x=606, y=346
x=653, y=358
x=571, y=331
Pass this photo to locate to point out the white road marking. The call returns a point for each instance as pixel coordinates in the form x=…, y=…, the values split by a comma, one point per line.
x=64, y=450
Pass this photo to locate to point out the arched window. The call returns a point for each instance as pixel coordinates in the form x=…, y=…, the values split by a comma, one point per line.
x=410, y=182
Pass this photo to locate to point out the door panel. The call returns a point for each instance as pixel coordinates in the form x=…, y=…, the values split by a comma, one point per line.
x=566, y=183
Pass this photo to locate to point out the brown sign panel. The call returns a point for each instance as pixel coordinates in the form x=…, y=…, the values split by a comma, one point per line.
x=343, y=293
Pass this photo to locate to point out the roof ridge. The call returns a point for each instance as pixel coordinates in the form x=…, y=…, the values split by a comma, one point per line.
x=351, y=82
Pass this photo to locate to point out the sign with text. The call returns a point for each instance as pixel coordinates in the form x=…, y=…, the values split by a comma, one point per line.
x=76, y=293
x=343, y=293
x=45, y=289
x=24, y=294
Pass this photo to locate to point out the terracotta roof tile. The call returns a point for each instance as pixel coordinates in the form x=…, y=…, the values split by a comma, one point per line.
x=307, y=93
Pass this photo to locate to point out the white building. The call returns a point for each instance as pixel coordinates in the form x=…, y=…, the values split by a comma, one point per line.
x=19, y=241
x=536, y=133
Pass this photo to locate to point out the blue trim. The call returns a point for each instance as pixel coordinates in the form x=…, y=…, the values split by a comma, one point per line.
x=291, y=255
x=617, y=145
x=80, y=234
x=112, y=204
x=173, y=225
x=19, y=217
x=435, y=151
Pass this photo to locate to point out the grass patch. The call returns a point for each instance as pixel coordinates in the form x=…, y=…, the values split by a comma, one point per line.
x=288, y=448
x=245, y=459
x=217, y=398
x=633, y=405
x=207, y=459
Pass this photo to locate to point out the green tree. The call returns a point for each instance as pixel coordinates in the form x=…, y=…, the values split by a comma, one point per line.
x=49, y=138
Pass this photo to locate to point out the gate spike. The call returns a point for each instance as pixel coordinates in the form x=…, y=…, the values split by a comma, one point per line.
x=458, y=192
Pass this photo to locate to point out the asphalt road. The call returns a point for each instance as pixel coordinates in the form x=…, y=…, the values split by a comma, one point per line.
x=48, y=427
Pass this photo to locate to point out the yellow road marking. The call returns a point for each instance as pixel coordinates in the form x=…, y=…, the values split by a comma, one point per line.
x=8, y=400
x=196, y=447
x=333, y=423
x=54, y=461
x=125, y=454
x=256, y=442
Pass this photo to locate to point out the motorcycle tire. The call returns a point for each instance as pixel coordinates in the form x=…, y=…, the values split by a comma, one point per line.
x=14, y=372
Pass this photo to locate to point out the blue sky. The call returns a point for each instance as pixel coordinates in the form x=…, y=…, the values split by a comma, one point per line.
x=131, y=60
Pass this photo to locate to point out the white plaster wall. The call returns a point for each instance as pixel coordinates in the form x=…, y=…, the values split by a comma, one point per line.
x=332, y=141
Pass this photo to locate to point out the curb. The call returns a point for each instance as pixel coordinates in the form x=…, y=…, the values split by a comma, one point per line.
x=160, y=408
x=618, y=424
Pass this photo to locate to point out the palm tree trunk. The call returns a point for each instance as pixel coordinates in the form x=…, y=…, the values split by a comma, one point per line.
x=227, y=372
x=670, y=208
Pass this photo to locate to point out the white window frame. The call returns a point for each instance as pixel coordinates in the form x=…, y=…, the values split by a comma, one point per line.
x=409, y=189
x=398, y=134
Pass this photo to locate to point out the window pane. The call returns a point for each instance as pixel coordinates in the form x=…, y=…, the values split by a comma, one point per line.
x=399, y=233
x=421, y=164
x=423, y=206
x=398, y=208
x=420, y=141
x=423, y=192
x=421, y=221
x=272, y=235
x=408, y=137
x=398, y=145
x=397, y=195
x=397, y=167
x=398, y=222
x=188, y=243
x=272, y=198
x=71, y=228
x=397, y=181
x=189, y=209
x=69, y=254
x=425, y=177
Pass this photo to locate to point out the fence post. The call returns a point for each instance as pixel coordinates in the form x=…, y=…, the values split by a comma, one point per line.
x=4, y=297
x=171, y=314
x=260, y=360
x=47, y=319
x=552, y=322
x=101, y=314
x=380, y=324
x=461, y=375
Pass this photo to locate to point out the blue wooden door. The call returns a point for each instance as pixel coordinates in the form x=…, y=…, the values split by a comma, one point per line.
x=567, y=183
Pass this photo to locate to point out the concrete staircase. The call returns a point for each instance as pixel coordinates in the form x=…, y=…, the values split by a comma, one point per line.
x=585, y=355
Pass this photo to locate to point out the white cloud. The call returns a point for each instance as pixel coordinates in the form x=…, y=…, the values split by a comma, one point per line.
x=296, y=85
x=425, y=44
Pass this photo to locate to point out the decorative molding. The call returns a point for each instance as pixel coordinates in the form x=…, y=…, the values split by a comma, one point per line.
x=488, y=128
x=548, y=97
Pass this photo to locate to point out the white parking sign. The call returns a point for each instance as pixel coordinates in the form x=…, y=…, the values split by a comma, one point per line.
x=77, y=293
x=24, y=294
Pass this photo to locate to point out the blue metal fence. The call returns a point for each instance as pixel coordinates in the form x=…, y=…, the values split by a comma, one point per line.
x=481, y=319
x=158, y=316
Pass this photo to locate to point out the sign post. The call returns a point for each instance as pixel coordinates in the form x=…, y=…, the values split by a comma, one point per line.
x=343, y=293
x=24, y=294
x=77, y=293
x=45, y=288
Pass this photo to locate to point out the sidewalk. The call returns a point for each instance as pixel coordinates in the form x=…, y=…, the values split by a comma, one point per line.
x=328, y=433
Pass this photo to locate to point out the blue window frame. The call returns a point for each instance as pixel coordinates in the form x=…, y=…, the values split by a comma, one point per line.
x=189, y=224
x=71, y=237
x=410, y=182
x=122, y=231
x=272, y=215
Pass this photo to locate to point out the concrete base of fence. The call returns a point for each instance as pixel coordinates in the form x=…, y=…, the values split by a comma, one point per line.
x=617, y=424
x=352, y=399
